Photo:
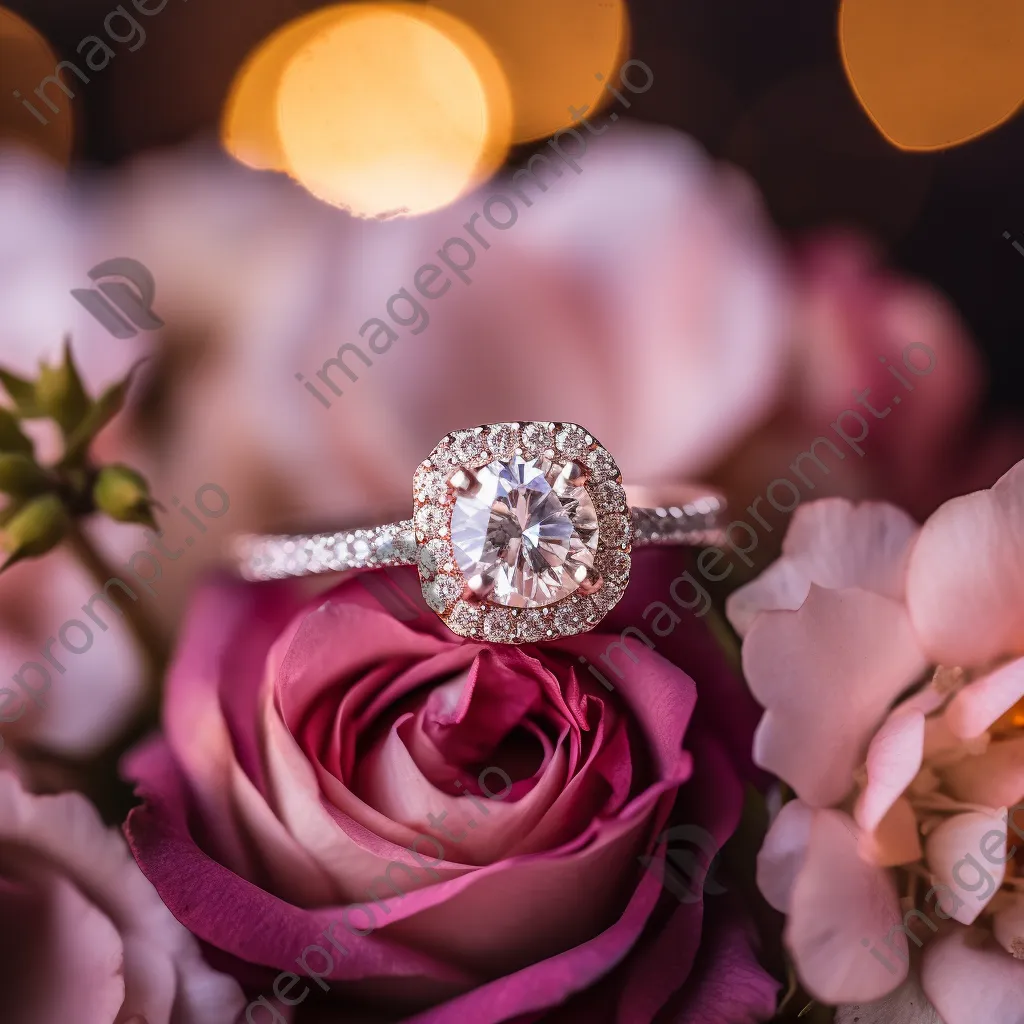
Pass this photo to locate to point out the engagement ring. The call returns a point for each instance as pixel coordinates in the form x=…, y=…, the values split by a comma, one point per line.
x=520, y=531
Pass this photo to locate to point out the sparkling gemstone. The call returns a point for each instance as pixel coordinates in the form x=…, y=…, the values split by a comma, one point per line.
x=613, y=565
x=602, y=465
x=444, y=591
x=499, y=625
x=433, y=556
x=530, y=627
x=610, y=496
x=567, y=618
x=573, y=441
x=615, y=529
x=405, y=543
x=465, y=444
x=465, y=618
x=537, y=438
x=502, y=440
x=524, y=536
x=431, y=485
x=430, y=519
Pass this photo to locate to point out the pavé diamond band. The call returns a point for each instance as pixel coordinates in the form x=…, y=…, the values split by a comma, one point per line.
x=521, y=532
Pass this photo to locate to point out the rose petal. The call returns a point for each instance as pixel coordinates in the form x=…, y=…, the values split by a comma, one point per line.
x=951, y=844
x=732, y=987
x=826, y=675
x=839, y=905
x=965, y=578
x=970, y=979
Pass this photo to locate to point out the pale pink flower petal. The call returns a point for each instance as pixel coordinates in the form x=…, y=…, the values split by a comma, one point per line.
x=122, y=944
x=895, y=840
x=1008, y=925
x=983, y=701
x=965, y=579
x=994, y=778
x=894, y=758
x=838, y=901
x=826, y=674
x=87, y=956
x=970, y=979
x=939, y=741
x=835, y=544
x=950, y=851
x=782, y=854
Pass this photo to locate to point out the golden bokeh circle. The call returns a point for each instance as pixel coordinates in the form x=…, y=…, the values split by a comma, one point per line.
x=386, y=111
x=26, y=59
x=553, y=52
x=934, y=73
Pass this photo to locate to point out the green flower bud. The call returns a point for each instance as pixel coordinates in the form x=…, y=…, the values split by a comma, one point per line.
x=35, y=528
x=124, y=495
x=21, y=477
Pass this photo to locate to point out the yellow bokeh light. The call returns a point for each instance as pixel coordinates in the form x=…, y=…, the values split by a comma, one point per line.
x=934, y=73
x=552, y=51
x=249, y=125
x=393, y=109
x=25, y=61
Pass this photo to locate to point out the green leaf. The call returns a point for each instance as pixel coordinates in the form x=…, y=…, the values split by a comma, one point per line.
x=101, y=412
x=21, y=477
x=60, y=393
x=11, y=437
x=23, y=394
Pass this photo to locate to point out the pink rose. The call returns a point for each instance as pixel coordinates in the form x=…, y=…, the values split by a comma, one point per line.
x=886, y=360
x=85, y=938
x=358, y=811
x=890, y=662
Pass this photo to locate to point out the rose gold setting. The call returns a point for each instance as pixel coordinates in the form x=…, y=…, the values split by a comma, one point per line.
x=587, y=464
x=626, y=518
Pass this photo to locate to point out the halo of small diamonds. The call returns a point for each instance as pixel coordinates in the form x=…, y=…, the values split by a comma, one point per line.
x=444, y=587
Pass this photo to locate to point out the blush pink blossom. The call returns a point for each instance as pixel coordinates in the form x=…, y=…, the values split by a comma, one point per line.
x=83, y=936
x=889, y=659
x=467, y=820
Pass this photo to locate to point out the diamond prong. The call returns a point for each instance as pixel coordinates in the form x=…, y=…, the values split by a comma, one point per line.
x=464, y=481
x=576, y=474
x=591, y=583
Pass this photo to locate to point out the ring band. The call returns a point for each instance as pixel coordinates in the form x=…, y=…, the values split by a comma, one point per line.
x=520, y=531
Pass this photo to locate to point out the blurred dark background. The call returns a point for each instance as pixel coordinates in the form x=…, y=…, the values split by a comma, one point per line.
x=760, y=85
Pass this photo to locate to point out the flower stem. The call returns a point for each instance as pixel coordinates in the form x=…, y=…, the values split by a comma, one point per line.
x=143, y=626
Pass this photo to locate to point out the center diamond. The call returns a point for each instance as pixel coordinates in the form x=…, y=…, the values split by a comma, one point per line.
x=524, y=535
